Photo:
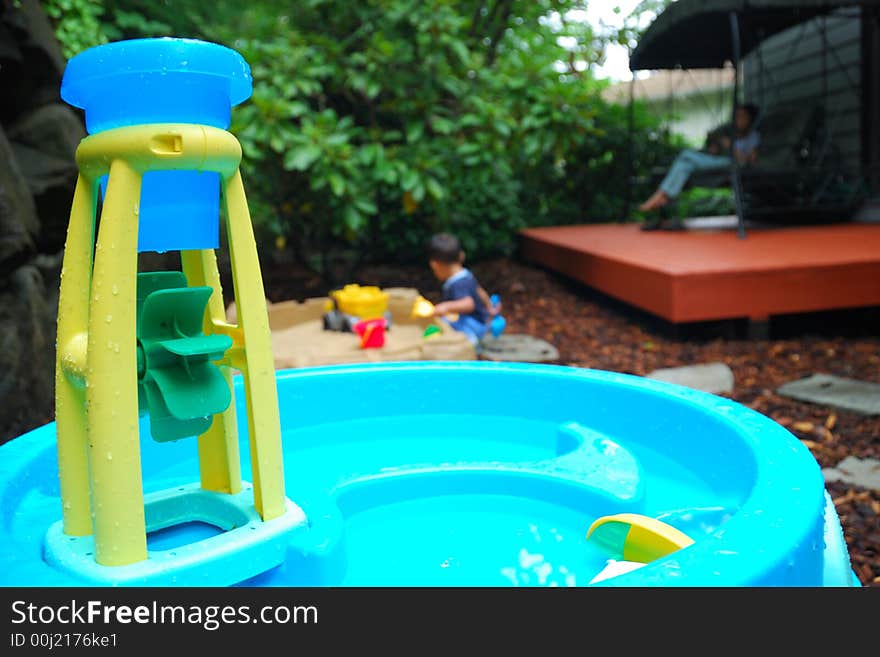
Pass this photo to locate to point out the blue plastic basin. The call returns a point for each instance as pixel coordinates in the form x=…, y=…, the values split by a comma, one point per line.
x=477, y=473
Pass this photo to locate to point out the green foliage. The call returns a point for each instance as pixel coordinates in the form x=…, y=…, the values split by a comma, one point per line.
x=593, y=182
x=704, y=202
x=77, y=24
x=374, y=123
x=637, y=20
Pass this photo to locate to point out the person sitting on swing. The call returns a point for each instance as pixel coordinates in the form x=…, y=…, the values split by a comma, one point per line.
x=714, y=156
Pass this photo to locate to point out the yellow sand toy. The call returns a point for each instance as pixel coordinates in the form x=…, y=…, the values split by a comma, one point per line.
x=363, y=302
x=422, y=308
x=634, y=540
x=158, y=344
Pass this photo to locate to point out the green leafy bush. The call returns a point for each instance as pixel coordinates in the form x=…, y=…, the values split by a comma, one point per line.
x=704, y=202
x=373, y=124
x=78, y=24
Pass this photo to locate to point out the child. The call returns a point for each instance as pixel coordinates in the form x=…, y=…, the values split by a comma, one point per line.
x=462, y=294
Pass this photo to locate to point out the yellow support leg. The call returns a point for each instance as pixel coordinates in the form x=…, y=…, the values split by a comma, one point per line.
x=219, y=464
x=114, y=447
x=96, y=364
x=70, y=362
x=259, y=371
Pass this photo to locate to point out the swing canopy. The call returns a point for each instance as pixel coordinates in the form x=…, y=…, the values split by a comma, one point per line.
x=697, y=33
x=801, y=174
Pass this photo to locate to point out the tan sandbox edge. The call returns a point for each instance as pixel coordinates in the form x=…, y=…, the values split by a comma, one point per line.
x=299, y=339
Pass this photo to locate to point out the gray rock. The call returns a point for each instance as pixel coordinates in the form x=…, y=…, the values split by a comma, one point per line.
x=19, y=225
x=30, y=75
x=36, y=158
x=41, y=34
x=53, y=129
x=709, y=377
x=51, y=181
x=856, y=471
x=44, y=172
x=49, y=267
x=9, y=50
x=27, y=352
x=829, y=390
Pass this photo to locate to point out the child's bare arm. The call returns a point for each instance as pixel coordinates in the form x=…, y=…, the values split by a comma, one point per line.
x=484, y=297
x=463, y=306
x=487, y=301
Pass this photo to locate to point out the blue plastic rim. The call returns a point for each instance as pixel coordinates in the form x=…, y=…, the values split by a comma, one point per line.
x=458, y=473
x=163, y=80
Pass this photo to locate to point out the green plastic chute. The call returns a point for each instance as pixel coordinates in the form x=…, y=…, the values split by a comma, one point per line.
x=178, y=384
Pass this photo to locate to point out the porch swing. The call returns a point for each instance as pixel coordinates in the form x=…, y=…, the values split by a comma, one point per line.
x=800, y=175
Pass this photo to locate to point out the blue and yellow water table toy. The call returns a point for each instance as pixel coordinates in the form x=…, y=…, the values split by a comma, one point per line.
x=538, y=475
x=160, y=158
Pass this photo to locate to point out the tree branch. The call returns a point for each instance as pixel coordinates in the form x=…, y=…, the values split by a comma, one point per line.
x=476, y=21
x=507, y=9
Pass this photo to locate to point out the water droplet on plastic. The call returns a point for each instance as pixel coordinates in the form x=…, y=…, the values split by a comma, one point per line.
x=108, y=318
x=115, y=289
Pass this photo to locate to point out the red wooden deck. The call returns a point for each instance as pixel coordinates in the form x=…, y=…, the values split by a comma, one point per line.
x=699, y=275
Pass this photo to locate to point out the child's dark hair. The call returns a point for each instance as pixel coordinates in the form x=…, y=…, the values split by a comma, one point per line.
x=444, y=247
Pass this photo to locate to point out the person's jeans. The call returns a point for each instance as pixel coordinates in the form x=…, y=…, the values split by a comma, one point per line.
x=470, y=326
x=688, y=162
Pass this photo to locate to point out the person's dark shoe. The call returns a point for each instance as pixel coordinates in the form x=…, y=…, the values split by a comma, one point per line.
x=653, y=223
x=675, y=224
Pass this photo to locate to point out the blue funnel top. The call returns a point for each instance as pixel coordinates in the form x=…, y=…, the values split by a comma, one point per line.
x=164, y=80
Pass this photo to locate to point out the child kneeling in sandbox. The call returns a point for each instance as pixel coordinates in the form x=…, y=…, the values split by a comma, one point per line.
x=462, y=294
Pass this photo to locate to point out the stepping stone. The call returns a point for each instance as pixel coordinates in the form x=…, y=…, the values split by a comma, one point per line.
x=518, y=347
x=853, y=470
x=708, y=377
x=828, y=390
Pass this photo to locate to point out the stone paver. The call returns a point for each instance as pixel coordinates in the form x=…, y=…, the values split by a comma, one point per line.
x=518, y=347
x=708, y=377
x=853, y=470
x=829, y=390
